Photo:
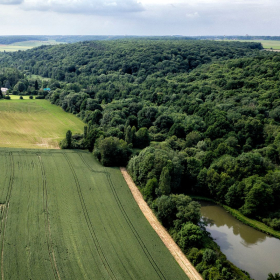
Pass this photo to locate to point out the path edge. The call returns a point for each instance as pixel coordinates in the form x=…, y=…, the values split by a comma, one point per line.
x=168, y=241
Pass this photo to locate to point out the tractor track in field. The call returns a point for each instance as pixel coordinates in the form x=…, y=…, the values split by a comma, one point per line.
x=89, y=223
x=47, y=222
x=102, y=172
x=160, y=230
x=5, y=212
x=134, y=231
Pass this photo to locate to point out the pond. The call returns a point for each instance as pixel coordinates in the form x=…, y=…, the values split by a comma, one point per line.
x=247, y=248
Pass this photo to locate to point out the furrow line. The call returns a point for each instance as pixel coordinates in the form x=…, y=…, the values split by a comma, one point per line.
x=5, y=214
x=134, y=231
x=106, y=173
x=89, y=224
x=47, y=222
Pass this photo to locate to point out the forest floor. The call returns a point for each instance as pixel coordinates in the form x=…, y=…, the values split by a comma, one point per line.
x=174, y=249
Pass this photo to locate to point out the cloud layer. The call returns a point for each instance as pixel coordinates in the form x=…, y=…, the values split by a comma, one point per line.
x=11, y=2
x=140, y=17
x=84, y=6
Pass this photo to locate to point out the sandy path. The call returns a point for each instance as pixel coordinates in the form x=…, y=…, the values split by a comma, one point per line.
x=160, y=230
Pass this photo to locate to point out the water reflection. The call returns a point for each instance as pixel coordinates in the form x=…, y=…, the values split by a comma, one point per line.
x=215, y=215
x=244, y=246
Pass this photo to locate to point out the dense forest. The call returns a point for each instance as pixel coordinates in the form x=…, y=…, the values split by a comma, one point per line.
x=186, y=117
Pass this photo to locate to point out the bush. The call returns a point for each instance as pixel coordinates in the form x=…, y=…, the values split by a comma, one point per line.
x=7, y=97
x=112, y=151
x=20, y=97
x=149, y=190
x=30, y=96
x=190, y=235
x=40, y=97
x=209, y=256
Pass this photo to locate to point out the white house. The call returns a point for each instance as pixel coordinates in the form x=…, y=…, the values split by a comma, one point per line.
x=4, y=90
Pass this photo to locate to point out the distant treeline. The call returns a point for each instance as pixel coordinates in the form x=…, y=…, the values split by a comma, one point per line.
x=274, y=38
x=6, y=40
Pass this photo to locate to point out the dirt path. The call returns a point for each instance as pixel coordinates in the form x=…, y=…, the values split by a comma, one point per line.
x=160, y=230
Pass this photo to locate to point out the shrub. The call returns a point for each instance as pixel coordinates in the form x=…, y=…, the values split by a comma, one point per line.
x=112, y=151
x=209, y=256
x=40, y=97
x=190, y=235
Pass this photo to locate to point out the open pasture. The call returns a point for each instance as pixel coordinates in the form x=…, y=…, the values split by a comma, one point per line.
x=34, y=123
x=64, y=216
x=26, y=45
x=267, y=44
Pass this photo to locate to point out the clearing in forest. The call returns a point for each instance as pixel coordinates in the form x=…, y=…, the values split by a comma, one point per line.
x=35, y=124
x=64, y=216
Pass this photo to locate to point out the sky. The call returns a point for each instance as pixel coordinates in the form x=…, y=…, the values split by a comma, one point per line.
x=140, y=17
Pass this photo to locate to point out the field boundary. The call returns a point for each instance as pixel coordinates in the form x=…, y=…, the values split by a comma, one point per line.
x=174, y=249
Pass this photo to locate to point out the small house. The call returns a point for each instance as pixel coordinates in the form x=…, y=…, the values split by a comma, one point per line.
x=4, y=90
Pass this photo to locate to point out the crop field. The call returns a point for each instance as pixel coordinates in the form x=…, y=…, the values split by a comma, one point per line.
x=64, y=216
x=22, y=46
x=267, y=44
x=34, y=123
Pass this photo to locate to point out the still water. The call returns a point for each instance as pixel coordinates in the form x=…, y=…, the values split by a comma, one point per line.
x=247, y=248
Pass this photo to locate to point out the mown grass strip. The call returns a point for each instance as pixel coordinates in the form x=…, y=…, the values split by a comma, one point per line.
x=247, y=221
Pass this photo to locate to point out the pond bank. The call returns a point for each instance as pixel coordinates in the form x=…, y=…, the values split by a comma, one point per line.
x=235, y=213
x=244, y=246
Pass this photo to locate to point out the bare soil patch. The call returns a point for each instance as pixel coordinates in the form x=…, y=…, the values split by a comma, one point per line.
x=174, y=249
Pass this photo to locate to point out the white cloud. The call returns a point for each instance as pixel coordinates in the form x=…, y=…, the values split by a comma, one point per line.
x=192, y=15
x=11, y=2
x=84, y=6
x=141, y=17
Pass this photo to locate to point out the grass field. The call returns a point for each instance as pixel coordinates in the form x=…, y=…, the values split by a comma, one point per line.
x=267, y=44
x=34, y=123
x=22, y=46
x=64, y=216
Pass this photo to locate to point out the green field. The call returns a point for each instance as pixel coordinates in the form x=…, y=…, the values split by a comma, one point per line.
x=64, y=216
x=267, y=44
x=22, y=46
x=34, y=123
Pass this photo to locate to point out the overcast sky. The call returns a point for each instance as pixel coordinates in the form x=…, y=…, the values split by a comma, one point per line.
x=139, y=17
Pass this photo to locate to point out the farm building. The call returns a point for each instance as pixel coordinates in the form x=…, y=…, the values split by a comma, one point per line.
x=4, y=90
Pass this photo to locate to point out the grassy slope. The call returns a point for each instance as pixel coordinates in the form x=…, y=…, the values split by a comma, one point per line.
x=71, y=218
x=34, y=124
x=22, y=46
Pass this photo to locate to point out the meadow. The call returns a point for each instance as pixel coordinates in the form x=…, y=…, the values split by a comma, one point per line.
x=26, y=45
x=64, y=216
x=267, y=44
x=34, y=123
